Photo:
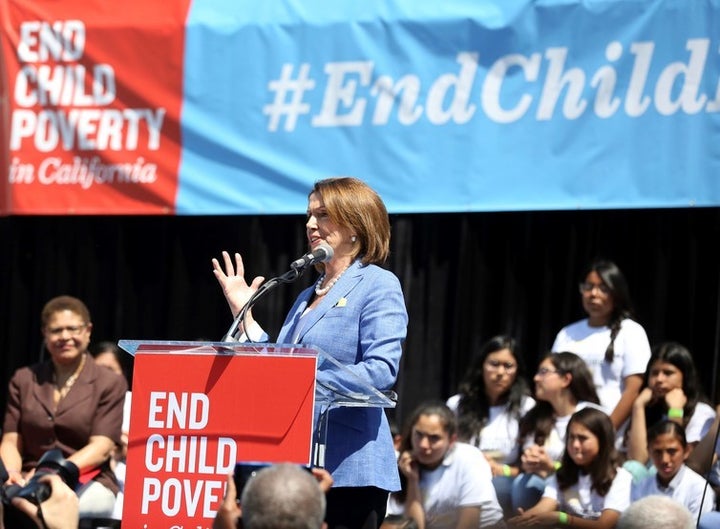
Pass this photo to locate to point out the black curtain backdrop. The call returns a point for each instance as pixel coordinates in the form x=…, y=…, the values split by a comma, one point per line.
x=466, y=277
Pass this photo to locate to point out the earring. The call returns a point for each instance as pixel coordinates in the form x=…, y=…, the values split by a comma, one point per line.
x=353, y=238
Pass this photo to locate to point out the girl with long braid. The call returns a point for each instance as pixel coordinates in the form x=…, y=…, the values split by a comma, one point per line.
x=614, y=346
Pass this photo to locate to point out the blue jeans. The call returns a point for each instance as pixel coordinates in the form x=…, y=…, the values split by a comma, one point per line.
x=638, y=470
x=710, y=520
x=527, y=489
x=503, y=491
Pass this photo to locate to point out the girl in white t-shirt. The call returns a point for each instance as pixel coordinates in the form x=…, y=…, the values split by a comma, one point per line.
x=614, y=346
x=563, y=385
x=668, y=450
x=445, y=484
x=590, y=490
x=672, y=392
x=492, y=398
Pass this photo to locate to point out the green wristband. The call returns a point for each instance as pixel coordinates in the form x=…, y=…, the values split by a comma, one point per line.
x=557, y=465
x=563, y=518
x=675, y=413
x=506, y=470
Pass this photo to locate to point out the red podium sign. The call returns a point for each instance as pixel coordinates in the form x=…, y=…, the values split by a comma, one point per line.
x=194, y=414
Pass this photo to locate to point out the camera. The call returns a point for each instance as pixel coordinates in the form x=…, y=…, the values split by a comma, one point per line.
x=51, y=462
x=246, y=470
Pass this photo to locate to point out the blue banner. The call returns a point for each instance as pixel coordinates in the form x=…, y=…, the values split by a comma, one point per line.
x=455, y=106
x=461, y=105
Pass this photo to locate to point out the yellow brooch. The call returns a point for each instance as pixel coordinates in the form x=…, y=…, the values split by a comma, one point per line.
x=341, y=302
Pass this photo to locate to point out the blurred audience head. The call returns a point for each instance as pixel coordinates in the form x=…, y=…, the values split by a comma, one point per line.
x=283, y=496
x=656, y=512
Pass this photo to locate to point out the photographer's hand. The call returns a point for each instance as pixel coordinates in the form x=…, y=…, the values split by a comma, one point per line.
x=59, y=511
x=228, y=515
x=323, y=477
x=15, y=477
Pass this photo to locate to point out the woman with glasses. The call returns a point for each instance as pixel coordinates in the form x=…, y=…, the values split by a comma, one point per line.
x=492, y=398
x=614, y=346
x=67, y=403
x=563, y=385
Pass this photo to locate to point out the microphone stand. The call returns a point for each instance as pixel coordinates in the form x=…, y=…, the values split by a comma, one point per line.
x=287, y=277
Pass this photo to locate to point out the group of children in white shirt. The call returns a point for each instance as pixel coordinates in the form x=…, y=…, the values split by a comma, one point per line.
x=559, y=461
x=448, y=484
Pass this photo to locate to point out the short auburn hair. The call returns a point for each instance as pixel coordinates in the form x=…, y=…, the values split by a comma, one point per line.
x=353, y=204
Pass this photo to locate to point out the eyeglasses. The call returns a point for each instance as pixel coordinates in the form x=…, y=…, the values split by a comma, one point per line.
x=589, y=287
x=494, y=365
x=543, y=371
x=72, y=330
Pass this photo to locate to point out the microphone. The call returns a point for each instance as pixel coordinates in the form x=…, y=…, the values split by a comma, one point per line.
x=322, y=254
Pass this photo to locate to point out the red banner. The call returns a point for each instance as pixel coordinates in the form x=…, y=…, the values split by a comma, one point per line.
x=195, y=415
x=92, y=105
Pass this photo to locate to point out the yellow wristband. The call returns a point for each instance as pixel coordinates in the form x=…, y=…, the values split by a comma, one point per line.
x=675, y=413
x=563, y=518
x=506, y=470
x=557, y=465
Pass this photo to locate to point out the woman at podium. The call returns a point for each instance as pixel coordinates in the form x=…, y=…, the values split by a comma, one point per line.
x=355, y=312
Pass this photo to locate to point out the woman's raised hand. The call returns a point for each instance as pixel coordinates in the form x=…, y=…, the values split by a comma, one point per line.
x=236, y=290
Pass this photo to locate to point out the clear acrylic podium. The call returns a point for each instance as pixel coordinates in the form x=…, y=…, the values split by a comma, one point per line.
x=199, y=407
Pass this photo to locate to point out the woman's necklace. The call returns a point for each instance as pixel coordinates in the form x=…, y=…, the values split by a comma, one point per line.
x=65, y=389
x=322, y=291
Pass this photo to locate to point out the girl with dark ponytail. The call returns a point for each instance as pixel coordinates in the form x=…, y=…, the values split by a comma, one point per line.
x=614, y=346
